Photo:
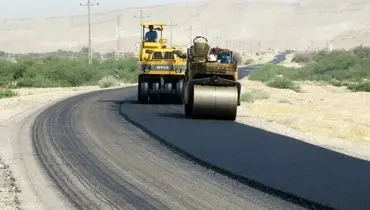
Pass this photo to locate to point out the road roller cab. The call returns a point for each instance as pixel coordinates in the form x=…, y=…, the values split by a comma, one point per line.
x=162, y=68
x=211, y=87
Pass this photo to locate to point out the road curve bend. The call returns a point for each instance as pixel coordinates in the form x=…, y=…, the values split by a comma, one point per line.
x=101, y=161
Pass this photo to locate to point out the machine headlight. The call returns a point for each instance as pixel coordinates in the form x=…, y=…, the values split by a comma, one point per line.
x=179, y=69
x=146, y=68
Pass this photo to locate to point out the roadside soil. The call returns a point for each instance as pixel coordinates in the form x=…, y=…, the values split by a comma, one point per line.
x=260, y=59
x=22, y=183
x=324, y=115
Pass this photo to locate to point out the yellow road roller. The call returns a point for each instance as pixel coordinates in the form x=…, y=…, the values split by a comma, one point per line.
x=162, y=68
x=211, y=89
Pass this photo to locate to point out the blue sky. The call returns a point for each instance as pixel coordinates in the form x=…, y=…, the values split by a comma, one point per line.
x=45, y=8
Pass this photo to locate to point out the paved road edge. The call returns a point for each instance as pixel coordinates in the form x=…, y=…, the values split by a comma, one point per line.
x=244, y=180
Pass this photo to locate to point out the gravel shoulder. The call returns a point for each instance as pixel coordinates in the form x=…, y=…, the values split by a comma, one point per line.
x=22, y=183
x=323, y=115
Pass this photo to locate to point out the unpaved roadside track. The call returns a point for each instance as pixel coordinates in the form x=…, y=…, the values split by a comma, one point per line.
x=99, y=160
x=23, y=184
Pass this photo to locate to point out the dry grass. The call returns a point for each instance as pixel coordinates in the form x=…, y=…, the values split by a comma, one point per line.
x=256, y=58
x=253, y=95
x=283, y=83
x=6, y=93
x=323, y=110
x=107, y=82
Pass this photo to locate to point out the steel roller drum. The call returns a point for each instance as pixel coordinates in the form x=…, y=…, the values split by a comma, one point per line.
x=215, y=101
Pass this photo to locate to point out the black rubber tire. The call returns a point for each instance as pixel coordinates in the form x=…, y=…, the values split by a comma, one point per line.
x=155, y=86
x=180, y=91
x=189, y=104
x=139, y=97
x=143, y=92
x=187, y=110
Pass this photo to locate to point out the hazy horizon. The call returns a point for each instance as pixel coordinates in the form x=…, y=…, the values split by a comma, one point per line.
x=18, y=9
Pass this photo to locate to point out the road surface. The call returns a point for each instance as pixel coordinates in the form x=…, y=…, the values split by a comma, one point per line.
x=100, y=160
x=244, y=71
x=95, y=154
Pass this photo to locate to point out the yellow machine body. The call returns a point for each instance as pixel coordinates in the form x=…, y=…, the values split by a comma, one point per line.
x=211, y=86
x=162, y=68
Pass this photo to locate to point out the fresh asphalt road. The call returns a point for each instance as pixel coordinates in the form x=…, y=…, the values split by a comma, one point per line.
x=99, y=159
x=267, y=160
x=282, y=165
x=244, y=71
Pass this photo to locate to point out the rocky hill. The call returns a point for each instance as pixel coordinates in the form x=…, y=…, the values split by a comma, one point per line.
x=238, y=24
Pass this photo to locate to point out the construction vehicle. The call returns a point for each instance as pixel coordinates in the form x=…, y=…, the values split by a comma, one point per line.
x=162, y=69
x=211, y=88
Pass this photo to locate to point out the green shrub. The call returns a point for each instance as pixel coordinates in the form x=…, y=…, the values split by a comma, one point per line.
x=283, y=83
x=108, y=81
x=362, y=52
x=302, y=57
x=267, y=72
x=6, y=93
x=54, y=71
x=360, y=86
x=339, y=68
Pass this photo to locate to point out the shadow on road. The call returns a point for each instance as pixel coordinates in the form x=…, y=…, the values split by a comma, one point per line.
x=171, y=115
x=163, y=100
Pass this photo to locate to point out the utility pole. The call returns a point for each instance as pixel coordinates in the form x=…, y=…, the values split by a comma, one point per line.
x=118, y=36
x=190, y=29
x=259, y=47
x=120, y=50
x=89, y=4
x=217, y=39
x=141, y=17
x=171, y=32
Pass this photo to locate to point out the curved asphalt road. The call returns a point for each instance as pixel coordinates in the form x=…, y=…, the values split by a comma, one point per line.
x=101, y=161
x=244, y=71
x=283, y=166
x=268, y=161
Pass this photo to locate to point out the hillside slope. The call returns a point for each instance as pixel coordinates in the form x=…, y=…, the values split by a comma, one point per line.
x=240, y=24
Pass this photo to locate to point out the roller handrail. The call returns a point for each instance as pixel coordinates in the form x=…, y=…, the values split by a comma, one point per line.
x=200, y=37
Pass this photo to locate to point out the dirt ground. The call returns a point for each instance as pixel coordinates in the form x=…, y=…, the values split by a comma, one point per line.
x=260, y=59
x=22, y=186
x=323, y=115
